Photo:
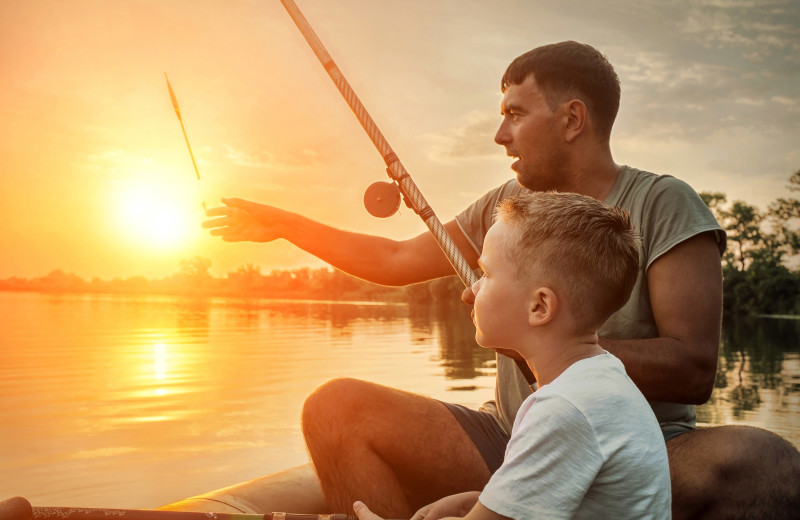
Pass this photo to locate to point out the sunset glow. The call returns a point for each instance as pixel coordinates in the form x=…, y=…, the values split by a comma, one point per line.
x=156, y=216
x=96, y=179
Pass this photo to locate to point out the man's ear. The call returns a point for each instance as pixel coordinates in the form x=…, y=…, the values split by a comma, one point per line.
x=543, y=306
x=576, y=114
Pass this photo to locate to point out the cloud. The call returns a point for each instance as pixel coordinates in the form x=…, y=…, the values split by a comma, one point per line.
x=303, y=158
x=472, y=138
x=757, y=29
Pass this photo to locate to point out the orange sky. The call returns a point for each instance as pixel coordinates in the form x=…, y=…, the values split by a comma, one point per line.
x=95, y=178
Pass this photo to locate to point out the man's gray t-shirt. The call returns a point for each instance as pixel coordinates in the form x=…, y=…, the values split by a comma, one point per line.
x=666, y=211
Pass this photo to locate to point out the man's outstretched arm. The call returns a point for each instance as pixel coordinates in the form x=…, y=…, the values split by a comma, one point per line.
x=372, y=258
x=686, y=297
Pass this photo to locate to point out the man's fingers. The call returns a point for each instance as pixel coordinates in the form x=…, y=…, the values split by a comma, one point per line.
x=218, y=232
x=229, y=220
x=217, y=211
x=241, y=204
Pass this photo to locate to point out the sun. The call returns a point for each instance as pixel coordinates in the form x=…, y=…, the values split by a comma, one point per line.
x=157, y=214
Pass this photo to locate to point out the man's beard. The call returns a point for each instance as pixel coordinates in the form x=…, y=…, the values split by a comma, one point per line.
x=545, y=177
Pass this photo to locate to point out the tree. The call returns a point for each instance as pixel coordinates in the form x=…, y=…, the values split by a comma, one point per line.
x=246, y=278
x=783, y=216
x=742, y=222
x=194, y=272
x=756, y=279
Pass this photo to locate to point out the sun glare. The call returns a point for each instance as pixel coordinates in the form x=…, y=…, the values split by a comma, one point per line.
x=157, y=214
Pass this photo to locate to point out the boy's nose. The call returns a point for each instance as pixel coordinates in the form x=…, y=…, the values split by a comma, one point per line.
x=468, y=294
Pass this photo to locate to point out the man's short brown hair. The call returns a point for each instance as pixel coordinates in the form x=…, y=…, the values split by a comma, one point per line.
x=571, y=70
x=586, y=249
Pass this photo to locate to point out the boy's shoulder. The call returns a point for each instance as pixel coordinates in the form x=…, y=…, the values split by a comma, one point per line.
x=598, y=387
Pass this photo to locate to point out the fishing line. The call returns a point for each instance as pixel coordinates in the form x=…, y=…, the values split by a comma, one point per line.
x=183, y=129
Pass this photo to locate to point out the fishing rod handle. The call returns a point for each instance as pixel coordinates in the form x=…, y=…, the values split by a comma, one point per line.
x=295, y=516
x=395, y=168
x=85, y=513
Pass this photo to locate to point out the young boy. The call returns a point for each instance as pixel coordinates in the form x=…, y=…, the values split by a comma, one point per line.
x=586, y=444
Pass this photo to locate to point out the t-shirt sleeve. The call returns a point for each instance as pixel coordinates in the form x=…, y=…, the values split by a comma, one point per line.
x=676, y=213
x=550, y=463
x=476, y=220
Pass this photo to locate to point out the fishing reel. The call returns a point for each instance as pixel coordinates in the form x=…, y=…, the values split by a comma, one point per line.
x=382, y=199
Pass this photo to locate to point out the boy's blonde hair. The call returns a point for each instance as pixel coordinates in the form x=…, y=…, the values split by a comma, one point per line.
x=586, y=250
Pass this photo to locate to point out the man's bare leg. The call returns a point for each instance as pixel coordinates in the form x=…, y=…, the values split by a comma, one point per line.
x=734, y=472
x=393, y=450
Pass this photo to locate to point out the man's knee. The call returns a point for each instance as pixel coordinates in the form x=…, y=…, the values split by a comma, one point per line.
x=336, y=406
x=744, y=452
x=716, y=471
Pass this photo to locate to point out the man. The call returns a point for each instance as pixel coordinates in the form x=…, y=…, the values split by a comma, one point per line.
x=397, y=451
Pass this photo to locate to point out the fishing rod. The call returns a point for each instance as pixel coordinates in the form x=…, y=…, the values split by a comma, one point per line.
x=394, y=167
x=18, y=508
x=183, y=129
x=379, y=199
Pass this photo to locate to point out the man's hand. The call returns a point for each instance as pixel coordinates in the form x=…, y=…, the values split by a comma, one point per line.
x=454, y=505
x=240, y=220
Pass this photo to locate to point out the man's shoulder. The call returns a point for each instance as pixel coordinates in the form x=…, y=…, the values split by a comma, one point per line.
x=648, y=185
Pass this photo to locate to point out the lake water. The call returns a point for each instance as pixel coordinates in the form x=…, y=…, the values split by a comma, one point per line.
x=139, y=401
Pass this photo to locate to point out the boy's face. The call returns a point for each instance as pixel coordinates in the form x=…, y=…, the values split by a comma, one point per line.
x=500, y=312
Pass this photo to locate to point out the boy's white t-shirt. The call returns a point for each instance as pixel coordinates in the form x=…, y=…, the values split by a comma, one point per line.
x=586, y=445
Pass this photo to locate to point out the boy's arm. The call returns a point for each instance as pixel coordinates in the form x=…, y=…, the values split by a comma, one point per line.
x=478, y=512
x=686, y=297
x=456, y=505
x=372, y=258
x=481, y=512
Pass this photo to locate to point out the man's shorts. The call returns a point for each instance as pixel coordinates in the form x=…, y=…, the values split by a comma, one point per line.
x=485, y=432
x=491, y=440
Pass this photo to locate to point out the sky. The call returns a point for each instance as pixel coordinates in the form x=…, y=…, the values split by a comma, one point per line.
x=96, y=180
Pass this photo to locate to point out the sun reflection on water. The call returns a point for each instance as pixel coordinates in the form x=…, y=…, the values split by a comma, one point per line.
x=160, y=366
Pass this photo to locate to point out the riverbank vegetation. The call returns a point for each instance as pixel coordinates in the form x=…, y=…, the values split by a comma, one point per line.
x=760, y=265
x=194, y=278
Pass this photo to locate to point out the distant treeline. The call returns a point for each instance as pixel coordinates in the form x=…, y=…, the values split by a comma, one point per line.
x=756, y=278
x=194, y=278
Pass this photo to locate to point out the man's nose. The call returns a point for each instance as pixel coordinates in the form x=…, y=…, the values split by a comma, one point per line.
x=502, y=137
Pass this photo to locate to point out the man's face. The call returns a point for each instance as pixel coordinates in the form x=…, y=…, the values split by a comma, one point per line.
x=500, y=312
x=529, y=133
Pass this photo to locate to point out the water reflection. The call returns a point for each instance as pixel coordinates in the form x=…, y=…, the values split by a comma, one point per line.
x=758, y=376
x=103, y=397
x=160, y=366
x=450, y=323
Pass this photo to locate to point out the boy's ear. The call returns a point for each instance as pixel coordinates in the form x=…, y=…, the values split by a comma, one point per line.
x=543, y=306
